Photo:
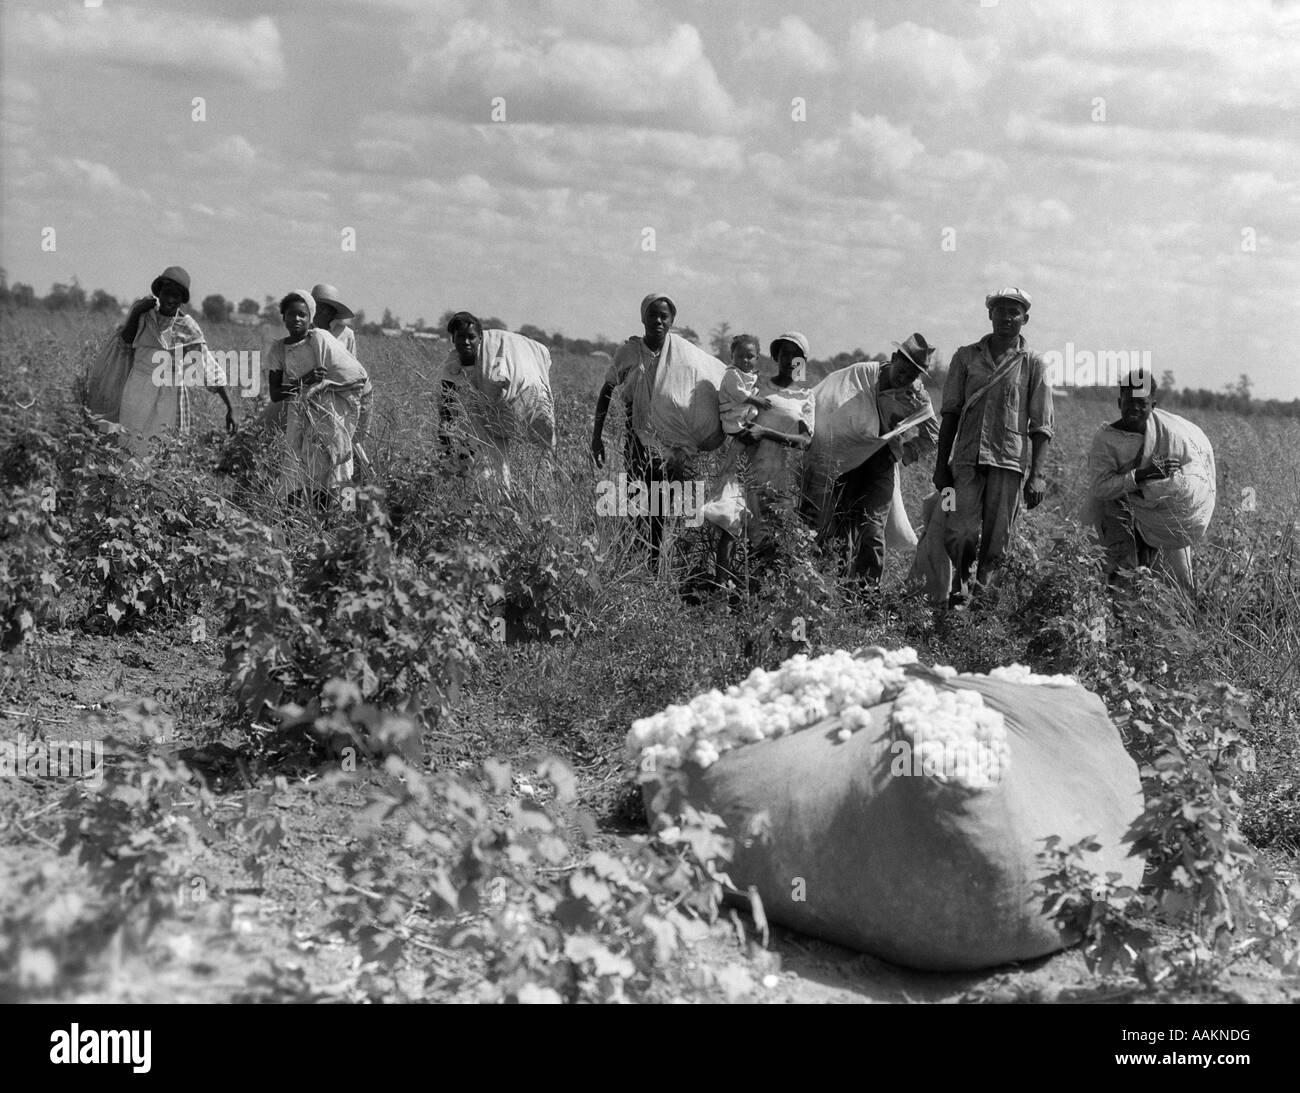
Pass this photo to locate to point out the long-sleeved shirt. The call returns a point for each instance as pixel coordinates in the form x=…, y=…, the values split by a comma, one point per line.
x=1114, y=461
x=995, y=431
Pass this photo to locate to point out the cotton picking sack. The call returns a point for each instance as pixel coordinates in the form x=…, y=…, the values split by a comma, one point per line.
x=931, y=566
x=728, y=507
x=107, y=376
x=847, y=434
x=873, y=828
x=675, y=404
x=511, y=382
x=1175, y=512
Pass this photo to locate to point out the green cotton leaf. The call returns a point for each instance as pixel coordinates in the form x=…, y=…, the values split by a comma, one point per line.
x=608, y=867
x=594, y=891
x=498, y=774
x=583, y=949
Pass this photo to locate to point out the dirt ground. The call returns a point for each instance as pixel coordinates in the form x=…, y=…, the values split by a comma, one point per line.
x=266, y=937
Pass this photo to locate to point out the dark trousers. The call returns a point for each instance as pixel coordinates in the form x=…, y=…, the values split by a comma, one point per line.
x=861, y=499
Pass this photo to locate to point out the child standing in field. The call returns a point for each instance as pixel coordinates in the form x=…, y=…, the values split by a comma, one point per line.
x=738, y=398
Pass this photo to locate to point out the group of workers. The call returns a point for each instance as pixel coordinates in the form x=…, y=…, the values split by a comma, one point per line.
x=831, y=451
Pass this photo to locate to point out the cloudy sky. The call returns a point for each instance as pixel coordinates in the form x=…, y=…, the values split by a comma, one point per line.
x=853, y=170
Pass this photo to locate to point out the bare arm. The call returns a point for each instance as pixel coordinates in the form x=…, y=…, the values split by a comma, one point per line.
x=947, y=434
x=598, y=430
x=798, y=440
x=137, y=312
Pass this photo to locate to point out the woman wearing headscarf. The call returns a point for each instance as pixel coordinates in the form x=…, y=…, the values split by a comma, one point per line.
x=762, y=470
x=326, y=405
x=501, y=383
x=671, y=387
x=156, y=395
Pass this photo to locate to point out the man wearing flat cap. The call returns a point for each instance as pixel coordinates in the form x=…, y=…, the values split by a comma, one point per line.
x=997, y=423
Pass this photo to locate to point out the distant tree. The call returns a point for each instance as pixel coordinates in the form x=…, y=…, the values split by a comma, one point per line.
x=104, y=301
x=248, y=306
x=558, y=341
x=446, y=318
x=419, y=324
x=536, y=333
x=22, y=295
x=689, y=334
x=64, y=297
x=358, y=319
x=720, y=340
x=389, y=320
x=1241, y=388
x=271, y=309
x=5, y=295
x=493, y=323
x=216, y=309
x=1167, y=380
x=879, y=358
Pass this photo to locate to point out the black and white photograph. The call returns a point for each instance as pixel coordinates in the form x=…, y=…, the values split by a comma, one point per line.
x=623, y=502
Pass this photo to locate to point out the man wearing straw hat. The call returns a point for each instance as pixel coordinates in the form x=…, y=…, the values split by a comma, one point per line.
x=997, y=423
x=332, y=315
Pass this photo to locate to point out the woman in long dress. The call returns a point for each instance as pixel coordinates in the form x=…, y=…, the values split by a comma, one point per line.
x=156, y=395
x=323, y=412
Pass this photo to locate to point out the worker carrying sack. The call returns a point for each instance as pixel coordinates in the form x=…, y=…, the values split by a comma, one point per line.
x=506, y=393
x=898, y=809
x=675, y=399
x=1174, y=512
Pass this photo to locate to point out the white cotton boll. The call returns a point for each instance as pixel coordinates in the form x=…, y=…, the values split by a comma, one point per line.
x=704, y=753
x=844, y=735
x=854, y=718
x=1020, y=673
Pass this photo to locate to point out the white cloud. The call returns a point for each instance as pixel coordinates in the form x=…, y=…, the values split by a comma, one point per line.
x=793, y=46
x=99, y=177
x=232, y=154
x=1109, y=141
x=1044, y=215
x=572, y=78
x=948, y=69
x=120, y=34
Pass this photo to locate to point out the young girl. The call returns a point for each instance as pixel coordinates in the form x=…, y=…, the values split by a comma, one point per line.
x=322, y=419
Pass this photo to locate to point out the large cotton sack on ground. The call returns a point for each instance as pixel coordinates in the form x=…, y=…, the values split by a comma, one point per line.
x=907, y=868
